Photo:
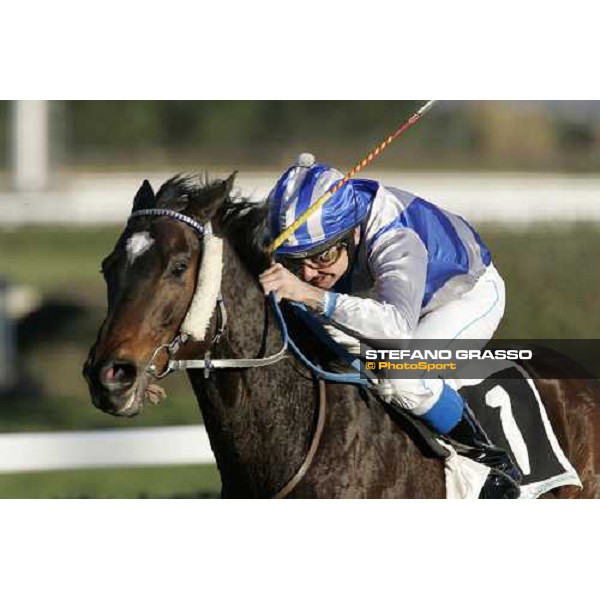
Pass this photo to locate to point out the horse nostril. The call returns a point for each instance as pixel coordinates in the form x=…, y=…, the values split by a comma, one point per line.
x=118, y=375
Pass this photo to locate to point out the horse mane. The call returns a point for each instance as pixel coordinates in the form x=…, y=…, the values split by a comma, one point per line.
x=191, y=194
x=242, y=220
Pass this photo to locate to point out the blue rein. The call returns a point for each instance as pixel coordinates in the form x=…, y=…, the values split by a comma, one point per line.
x=351, y=378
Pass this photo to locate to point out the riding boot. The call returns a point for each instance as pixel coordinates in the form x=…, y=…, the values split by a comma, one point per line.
x=472, y=442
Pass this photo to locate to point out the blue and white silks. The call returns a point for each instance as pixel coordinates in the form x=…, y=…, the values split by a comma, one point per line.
x=413, y=258
x=406, y=239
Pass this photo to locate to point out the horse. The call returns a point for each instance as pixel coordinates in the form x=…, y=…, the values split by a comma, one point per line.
x=274, y=429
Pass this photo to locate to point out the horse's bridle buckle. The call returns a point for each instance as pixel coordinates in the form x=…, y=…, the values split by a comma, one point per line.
x=171, y=349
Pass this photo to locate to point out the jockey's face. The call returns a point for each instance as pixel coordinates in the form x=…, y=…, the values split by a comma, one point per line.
x=326, y=269
x=325, y=274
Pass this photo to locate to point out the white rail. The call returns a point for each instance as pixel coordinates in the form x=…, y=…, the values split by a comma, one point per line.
x=178, y=445
x=513, y=198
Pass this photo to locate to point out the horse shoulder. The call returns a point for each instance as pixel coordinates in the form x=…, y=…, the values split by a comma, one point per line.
x=365, y=453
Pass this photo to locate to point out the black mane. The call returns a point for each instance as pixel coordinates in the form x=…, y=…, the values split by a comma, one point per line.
x=244, y=222
x=192, y=194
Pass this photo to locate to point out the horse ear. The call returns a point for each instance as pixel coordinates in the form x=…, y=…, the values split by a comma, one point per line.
x=222, y=191
x=214, y=197
x=229, y=183
x=144, y=197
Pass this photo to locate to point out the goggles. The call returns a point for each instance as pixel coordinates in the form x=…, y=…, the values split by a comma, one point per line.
x=322, y=260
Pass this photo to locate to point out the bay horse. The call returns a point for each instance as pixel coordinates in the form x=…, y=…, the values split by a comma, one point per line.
x=261, y=422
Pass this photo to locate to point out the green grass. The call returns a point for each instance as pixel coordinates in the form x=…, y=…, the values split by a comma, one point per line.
x=148, y=482
x=552, y=280
x=57, y=259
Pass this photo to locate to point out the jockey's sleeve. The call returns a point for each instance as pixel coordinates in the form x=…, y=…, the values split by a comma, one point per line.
x=398, y=264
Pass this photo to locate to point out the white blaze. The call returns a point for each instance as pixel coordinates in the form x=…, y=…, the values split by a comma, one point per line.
x=137, y=244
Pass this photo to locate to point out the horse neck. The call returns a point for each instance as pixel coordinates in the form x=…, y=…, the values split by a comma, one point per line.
x=259, y=420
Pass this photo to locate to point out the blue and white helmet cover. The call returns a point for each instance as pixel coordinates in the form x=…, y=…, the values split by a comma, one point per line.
x=299, y=188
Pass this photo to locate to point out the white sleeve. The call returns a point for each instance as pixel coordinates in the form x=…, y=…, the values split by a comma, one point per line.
x=398, y=264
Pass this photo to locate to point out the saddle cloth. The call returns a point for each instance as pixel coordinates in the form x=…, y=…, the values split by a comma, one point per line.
x=508, y=406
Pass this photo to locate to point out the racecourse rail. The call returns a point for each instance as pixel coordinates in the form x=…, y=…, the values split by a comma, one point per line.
x=154, y=446
x=512, y=198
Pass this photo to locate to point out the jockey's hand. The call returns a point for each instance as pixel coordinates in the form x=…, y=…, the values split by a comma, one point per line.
x=287, y=286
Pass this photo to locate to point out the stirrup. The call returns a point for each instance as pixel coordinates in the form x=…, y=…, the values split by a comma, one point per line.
x=499, y=486
x=470, y=440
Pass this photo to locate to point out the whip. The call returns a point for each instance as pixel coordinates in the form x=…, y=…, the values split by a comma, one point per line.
x=368, y=159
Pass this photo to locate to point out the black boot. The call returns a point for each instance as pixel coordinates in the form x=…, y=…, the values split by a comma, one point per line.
x=504, y=477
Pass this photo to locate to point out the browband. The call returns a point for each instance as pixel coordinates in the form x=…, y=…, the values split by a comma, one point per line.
x=201, y=230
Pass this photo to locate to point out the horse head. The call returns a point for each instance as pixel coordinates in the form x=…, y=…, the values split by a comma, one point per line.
x=153, y=287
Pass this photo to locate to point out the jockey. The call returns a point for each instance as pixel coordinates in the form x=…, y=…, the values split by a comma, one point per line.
x=428, y=275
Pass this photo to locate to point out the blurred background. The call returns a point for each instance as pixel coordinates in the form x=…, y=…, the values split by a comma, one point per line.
x=527, y=174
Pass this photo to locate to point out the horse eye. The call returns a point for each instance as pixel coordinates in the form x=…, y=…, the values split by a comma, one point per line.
x=179, y=269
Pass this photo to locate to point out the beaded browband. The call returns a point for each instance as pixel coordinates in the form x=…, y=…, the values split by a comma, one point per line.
x=201, y=230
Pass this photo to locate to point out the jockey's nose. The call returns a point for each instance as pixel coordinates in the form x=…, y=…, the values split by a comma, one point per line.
x=308, y=272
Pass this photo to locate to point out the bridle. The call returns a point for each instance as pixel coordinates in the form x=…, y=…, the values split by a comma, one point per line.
x=204, y=233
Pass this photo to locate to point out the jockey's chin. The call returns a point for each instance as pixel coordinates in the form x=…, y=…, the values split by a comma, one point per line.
x=324, y=282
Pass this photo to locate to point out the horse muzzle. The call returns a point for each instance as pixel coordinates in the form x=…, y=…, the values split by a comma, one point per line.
x=115, y=386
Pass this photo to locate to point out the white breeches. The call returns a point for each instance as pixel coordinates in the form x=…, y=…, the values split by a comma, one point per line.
x=475, y=315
